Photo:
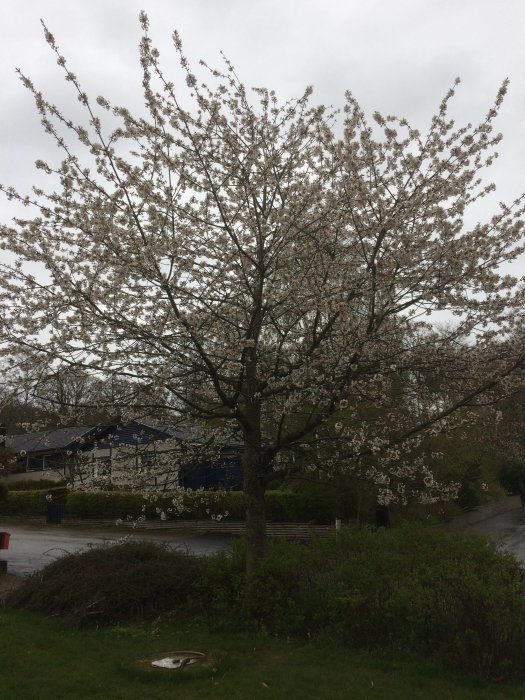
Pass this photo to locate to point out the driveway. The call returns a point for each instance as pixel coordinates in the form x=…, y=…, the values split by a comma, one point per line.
x=509, y=527
x=32, y=547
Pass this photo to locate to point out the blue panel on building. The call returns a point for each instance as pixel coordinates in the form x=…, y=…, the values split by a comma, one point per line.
x=226, y=474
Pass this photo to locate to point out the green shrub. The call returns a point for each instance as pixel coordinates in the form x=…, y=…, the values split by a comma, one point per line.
x=3, y=491
x=343, y=497
x=96, y=504
x=512, y=476
x=219, y=589
x=24, y=503
x=283, y=506
x=34, y=485
x=107, y=585
x=284, y=598
x=290, y=506
x=201, y=505
x=31, y=503
x=58, y=494
x=454, y=596
x=420, y=589
x=471, y=493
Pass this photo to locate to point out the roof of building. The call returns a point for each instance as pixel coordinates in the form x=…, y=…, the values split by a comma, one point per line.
x=48, y=440
x=181, y=430
x=73, y=438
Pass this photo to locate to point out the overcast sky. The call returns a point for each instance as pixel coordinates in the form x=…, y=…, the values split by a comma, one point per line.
x=397, y=56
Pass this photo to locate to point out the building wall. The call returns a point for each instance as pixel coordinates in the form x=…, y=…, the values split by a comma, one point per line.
x=140, y=466
x=47, y=474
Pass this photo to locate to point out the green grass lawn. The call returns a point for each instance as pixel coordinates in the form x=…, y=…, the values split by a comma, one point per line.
x=44, y=658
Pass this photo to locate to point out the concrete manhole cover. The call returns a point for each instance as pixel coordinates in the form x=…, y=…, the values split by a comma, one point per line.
x=177, y=660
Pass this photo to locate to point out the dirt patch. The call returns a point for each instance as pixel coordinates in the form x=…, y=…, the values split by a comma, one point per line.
x=8, y=583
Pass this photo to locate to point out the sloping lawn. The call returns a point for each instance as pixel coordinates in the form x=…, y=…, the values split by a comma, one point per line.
x=45, y=659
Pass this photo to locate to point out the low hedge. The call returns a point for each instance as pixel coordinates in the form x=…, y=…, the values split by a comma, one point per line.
x=86, y=504
x=33, y=484
x=31, y=503
x=24, y=503
x=281, y=506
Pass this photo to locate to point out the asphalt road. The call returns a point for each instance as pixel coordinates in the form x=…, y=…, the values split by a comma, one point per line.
x=507, y=527
x=32, y=547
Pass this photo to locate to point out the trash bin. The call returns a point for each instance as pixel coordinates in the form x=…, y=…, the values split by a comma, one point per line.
x=4, y=540
x=55, y=513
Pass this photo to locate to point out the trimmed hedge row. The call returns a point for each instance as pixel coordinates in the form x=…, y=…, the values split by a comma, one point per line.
x=281, y=506
x=33, y=485
x=30, y=502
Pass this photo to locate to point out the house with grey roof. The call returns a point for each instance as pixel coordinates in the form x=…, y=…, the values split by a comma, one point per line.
x=142, y=453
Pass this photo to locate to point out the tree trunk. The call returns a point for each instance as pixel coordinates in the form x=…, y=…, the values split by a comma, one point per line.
x=254, y=490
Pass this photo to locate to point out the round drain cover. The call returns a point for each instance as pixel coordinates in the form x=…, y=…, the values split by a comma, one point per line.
x=177, y=660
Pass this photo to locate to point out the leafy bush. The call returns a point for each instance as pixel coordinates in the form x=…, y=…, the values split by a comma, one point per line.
x=512, y=477
x=96, y=504
x=284, y=596
x=3, y=491
x=24, y=503
x=30, y=503
x=458, y=596
x=455, y=596
x=316, y=505
x=342, y=496
x=283, y=506
x=219, y=590
x=106, y=585
x=471, y=493
x=34, y=485
x=420, y=589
